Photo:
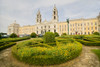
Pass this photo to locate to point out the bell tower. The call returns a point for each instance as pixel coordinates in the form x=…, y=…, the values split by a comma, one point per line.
x=38, y=18
x=55, y=14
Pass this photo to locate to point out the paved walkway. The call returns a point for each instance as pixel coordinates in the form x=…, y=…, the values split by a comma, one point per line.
x=86, y=59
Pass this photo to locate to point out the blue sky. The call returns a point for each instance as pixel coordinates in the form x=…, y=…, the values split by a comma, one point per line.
x=24, y=11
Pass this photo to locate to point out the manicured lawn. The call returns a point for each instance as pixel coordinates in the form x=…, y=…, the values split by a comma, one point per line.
x=97, y=52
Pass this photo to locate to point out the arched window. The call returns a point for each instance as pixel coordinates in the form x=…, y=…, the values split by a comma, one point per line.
x=54, y=12
x=49, y=26
x=45, y=26
x=54, y=17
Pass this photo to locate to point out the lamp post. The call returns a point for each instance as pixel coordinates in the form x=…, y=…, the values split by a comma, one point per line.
x=68, y=25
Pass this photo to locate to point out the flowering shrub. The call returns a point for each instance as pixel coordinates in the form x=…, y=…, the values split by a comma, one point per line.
x=44, y=54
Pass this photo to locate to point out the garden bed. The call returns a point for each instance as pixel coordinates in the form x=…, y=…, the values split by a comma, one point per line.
x=37, y=52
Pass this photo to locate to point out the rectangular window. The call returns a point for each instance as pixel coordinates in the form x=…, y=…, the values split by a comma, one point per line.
x=95, y=28
x=65, y=27
x=91, y=23
x=88, y=32
x=73, y=24
x=95, y=23
x=88, y=23
x=88, y=28
x=81, y=24
x=84, y=32
x=84, y=24
x=91, y=28
x=60, y=27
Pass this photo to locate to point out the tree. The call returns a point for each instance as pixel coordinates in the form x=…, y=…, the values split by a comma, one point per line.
x=13, y=35
x=0, y=36
x=96, y=33
x=56, y=34
x=49, y=37
x=33, y=35
x=64, y=34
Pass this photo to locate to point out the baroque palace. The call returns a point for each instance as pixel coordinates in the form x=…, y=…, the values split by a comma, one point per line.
x=74, y=27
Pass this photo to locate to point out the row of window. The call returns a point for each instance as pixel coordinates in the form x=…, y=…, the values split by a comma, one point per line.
x=46, y=27
x=45, y=31
x=81, y=33
x=63, y=27
x=84, y=28
x=80, y=24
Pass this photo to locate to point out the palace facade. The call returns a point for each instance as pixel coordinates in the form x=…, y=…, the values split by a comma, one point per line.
x=74, y=27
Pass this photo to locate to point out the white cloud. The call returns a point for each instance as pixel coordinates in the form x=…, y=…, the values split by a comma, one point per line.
x=24, y=11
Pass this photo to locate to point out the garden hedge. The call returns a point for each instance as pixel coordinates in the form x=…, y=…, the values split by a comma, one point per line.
x=7, y=45
x=37, y=53
x=13, y=39
x=89, y=43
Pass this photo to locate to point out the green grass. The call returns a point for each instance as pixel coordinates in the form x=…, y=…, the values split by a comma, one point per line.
x=97, y=52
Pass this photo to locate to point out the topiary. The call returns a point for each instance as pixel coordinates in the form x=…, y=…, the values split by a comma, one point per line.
x=49, y=37
x=56, y=34
x=96, y=33
x=33, y=35
x=63, y=34
x=13, y=35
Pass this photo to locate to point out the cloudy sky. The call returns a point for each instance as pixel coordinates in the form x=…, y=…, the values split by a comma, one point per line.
x=24, y=11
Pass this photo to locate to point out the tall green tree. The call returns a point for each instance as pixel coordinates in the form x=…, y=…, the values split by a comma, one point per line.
x=13, y=35
x=56, y=34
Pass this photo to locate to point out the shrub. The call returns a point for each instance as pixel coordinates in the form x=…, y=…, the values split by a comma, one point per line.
x=33, y=35
x=49, y=37
x=56, y=34
x=0, y=36
x=13, y=35
x=96, y=33
x=63, y=34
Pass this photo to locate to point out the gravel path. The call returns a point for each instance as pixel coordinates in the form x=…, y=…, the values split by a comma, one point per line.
x=86, y=59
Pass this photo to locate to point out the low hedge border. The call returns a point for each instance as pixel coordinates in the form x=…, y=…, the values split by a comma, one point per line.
x=89, y=43
x=6, y=41
x=14, y=39
x=7, y=45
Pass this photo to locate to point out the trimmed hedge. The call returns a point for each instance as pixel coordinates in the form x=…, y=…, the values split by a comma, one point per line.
x=7, y=45
x=13, y=39
x=45, y=55
x=89, y=43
